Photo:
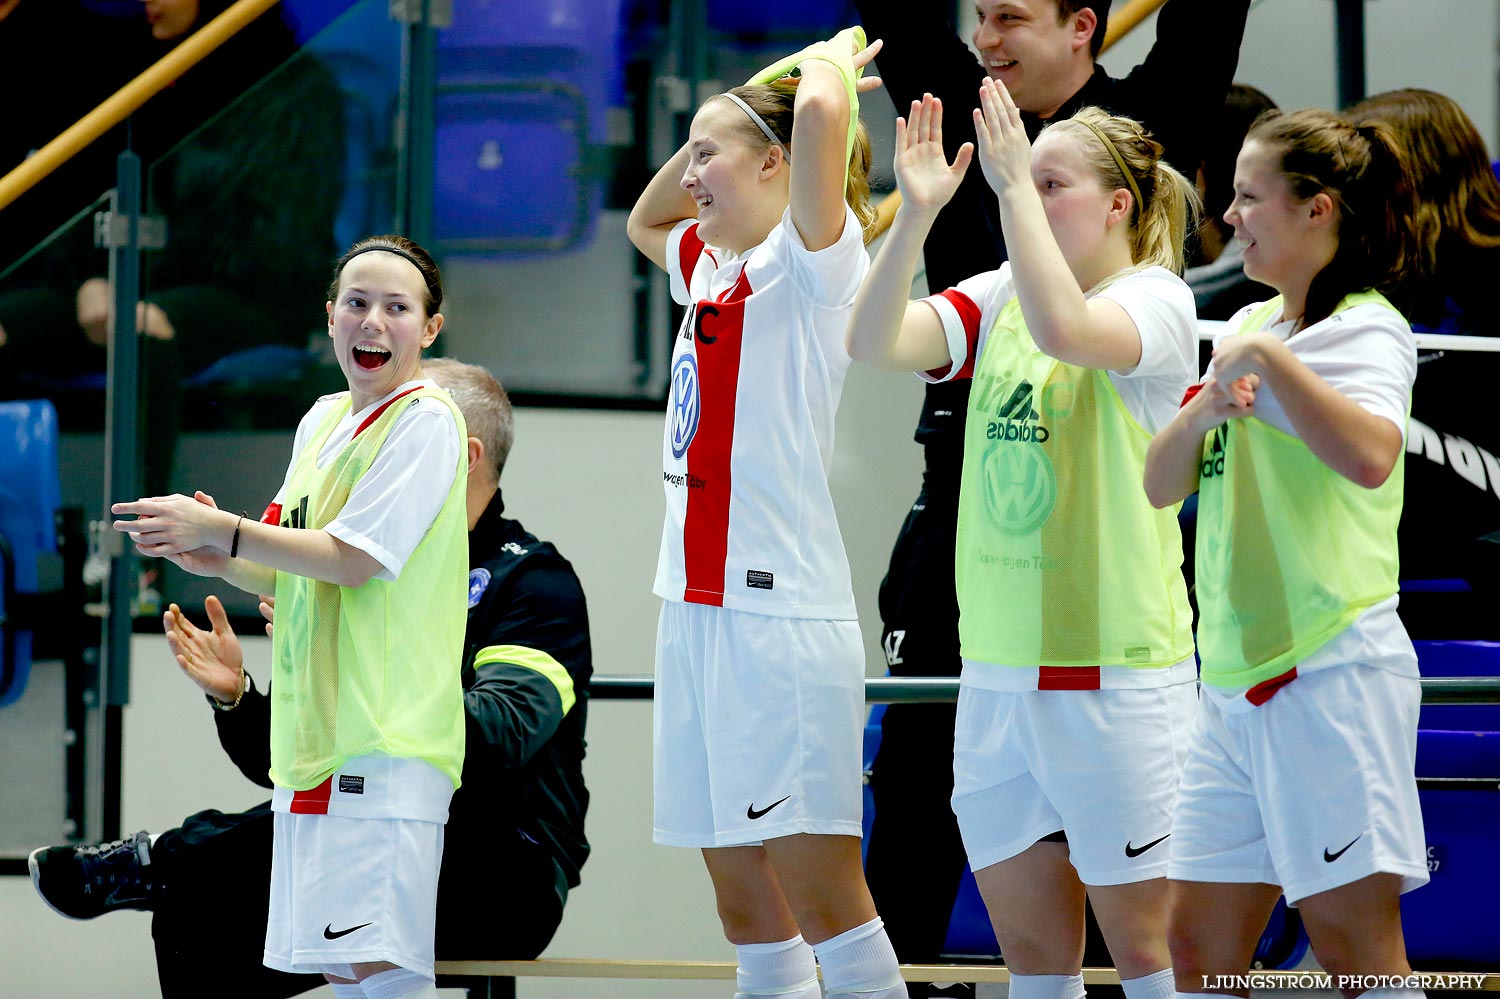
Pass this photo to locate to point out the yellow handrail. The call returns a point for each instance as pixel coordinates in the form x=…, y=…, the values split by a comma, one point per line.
x=124, y=101
x=1124, y=21
x=1120, y=24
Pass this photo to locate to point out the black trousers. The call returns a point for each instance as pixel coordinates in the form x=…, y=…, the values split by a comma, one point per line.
x=497, y=900
x=915, y=856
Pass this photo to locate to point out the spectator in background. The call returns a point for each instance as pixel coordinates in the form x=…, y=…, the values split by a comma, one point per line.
x=1216, y=272
x=43, y=45
x=243, y=165
x=1450, y=528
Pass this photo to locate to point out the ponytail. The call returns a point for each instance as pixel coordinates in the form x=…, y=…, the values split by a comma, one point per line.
x=1364, y=170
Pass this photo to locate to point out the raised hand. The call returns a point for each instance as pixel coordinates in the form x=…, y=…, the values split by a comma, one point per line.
x=926, y=179
x=863, y=57
x=1004, y=149
x=211, y=659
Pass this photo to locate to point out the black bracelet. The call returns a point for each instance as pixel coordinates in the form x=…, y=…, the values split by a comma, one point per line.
x=234, y=545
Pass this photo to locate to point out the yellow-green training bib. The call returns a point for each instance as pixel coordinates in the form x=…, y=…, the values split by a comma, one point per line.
x=1289, y=552
x=1061, y=560
x=374, y=668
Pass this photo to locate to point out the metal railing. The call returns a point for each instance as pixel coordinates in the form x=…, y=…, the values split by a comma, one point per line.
x=128, y=98
x=939, y=689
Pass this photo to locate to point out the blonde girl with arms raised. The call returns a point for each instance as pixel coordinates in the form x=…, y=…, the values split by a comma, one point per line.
x=1078, y=678
x=759, y=222
x=1301, y=774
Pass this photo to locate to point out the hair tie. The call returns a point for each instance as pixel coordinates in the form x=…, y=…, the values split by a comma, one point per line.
x=761, y=122
x=1119, y=162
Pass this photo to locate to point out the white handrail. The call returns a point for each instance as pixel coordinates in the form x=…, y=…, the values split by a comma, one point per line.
x=1209, y=328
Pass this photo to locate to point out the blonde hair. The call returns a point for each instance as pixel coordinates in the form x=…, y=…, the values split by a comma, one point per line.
x=1168, y=206
x=774, y=103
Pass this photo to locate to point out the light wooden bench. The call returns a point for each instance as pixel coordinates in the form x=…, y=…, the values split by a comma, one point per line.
x=561, y=967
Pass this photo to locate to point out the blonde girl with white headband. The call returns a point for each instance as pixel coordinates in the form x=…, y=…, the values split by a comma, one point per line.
x=759, y=220
x=1078, y=681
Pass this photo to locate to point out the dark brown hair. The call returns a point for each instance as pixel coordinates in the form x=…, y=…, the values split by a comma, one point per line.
x=1363, y=169
x=1067, y=8
x=1458, y=197
x=432, y=300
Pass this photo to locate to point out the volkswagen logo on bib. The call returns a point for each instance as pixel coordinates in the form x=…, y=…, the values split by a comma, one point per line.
x=1019, y=486
x=686, y=404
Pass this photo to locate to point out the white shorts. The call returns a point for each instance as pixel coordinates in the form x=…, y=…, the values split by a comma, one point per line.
x=758, y=726
x=1314, y=789
x=1100, y=765
x=346, y=891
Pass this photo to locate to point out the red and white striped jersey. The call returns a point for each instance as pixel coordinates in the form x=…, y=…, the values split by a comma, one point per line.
x=757, y=371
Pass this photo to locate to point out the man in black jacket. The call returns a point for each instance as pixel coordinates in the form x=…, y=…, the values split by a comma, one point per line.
x=514, y=842
x=1044, y=52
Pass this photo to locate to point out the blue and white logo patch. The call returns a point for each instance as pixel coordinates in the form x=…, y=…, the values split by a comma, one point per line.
x=686, y=404
x=479, y=580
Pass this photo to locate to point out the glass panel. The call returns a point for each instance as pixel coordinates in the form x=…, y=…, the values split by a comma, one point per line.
x=54, y=304
x=547, y=129
x=257, y=203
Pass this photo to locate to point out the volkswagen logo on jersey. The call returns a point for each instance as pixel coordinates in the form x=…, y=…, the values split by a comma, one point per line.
x=479, y=579
x=686, y=404
x=1019, y=486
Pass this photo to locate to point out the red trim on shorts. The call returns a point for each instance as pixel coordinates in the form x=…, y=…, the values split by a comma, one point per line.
x=1266, y=689
x=313, y=801
x=272, y=514
x=383, y=407
x=1187, y=396
x=1067, y=678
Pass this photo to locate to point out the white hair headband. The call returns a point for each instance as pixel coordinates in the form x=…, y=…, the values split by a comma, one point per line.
x=761, y=122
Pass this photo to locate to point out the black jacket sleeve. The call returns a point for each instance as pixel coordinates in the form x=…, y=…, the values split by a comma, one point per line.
x=923, y=53
x=513, y=709
x=245, y=734
x=1179, y=89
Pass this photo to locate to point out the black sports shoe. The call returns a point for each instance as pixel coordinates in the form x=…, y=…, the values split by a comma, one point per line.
x=82, y=882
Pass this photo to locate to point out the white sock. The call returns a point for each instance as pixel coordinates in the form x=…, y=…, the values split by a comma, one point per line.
x=352, y=990
x=784, y=968
x=398, y=983
x=861, y=964
x=1157, y=985
x=1046, y=986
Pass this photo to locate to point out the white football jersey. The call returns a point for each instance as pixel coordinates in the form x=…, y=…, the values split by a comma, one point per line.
x=757, y=371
